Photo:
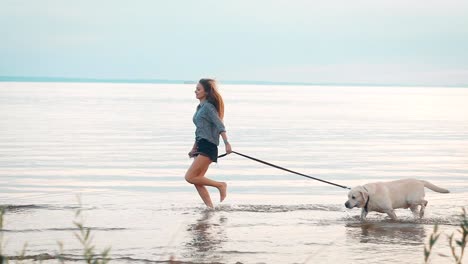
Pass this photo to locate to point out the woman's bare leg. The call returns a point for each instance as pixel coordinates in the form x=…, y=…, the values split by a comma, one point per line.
x=203, y=192
x=205, y=195
x=222, y=191
x=195, y=175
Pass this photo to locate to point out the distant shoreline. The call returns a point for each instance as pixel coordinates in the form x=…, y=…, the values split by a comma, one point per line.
x=243, y=82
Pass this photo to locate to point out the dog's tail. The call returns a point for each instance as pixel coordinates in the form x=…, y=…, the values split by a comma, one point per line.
x=434, y=188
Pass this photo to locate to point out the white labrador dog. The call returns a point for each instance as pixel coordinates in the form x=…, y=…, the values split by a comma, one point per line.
x=383, y=197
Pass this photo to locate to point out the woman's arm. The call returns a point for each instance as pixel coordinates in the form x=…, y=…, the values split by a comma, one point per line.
x=194, y=149
x=213, y=114
x=226, y=142
x=214, y=118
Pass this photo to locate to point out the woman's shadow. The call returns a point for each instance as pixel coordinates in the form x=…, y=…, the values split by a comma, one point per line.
x=206, y=236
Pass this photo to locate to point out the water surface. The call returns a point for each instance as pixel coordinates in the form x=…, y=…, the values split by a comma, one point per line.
x=123, y=147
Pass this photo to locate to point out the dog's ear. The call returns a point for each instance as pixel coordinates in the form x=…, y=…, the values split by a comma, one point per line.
x=364, y=194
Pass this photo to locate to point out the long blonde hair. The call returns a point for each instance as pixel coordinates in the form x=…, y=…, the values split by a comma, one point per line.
x=212, y=95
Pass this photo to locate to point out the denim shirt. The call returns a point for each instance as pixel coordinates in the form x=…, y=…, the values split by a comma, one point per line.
x=208, y=123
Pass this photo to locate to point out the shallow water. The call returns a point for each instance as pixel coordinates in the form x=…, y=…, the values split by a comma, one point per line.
x=123, y=147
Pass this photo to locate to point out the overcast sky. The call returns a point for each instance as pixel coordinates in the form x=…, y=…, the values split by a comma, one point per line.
x=359, y=41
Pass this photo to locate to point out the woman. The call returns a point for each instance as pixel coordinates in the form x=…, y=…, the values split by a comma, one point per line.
x=209, y=122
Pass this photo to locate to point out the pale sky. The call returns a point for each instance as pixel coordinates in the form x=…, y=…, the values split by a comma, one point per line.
x=359, y=41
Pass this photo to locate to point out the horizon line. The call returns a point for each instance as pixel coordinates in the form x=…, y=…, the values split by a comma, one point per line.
x=241, y=82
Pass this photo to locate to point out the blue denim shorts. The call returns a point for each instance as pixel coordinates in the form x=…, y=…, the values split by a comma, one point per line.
x=208, y=149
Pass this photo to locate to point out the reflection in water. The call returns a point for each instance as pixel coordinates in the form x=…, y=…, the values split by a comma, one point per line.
x=386, y=232
x=207, y=235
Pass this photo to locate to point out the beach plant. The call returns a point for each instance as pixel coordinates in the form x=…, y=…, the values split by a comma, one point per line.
x=21, y=254
x=83, y=235
x=3, y=258
x=59, y=256
x=86, y=240
x=453, y=242
x=432, y=240
x=461, y=243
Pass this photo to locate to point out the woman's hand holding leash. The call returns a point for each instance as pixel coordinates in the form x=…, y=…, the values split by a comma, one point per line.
x=226, y=143
x=228, y=147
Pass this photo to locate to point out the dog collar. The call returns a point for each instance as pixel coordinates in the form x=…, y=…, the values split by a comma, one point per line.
x=368, y=199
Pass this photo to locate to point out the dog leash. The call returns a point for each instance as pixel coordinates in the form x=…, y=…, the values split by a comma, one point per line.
x=288, y=170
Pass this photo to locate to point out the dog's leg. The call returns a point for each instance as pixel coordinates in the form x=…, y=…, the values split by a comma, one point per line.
x=423, y=206
x=392, y=214
x=414, y=209
x=363, y=214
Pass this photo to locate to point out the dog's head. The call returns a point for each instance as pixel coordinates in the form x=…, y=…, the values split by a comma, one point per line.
x=357, y=197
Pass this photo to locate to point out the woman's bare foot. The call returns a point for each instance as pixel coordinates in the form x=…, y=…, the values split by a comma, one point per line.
x=209, y=205
x=222, y=191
